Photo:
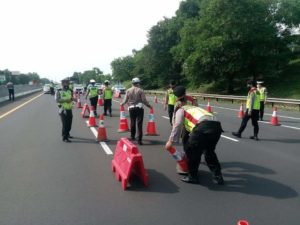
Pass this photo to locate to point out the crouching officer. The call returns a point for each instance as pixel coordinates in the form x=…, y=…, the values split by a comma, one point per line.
x=65, y=104
x=201, y=133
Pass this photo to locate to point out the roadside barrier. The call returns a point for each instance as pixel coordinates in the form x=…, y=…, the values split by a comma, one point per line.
x=92, y=119
x=180, y=158
x=151, y=128
x=241, y=112
x=84, y=110
x=123, y=125
x=101, y=130
x=274, y=119
x=100, y=100
x=128, y=161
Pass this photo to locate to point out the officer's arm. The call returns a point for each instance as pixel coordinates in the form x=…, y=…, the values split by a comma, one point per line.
x=252, y=99
x=87, y=93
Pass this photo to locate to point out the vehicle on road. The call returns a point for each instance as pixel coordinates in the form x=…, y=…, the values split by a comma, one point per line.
x=119, y=87
x=46, y=89
x=78, y=88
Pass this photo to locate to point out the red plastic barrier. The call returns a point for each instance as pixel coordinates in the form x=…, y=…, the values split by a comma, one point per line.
x=127, y=160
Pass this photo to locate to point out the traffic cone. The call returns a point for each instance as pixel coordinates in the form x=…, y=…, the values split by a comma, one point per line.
x=180, y=158
x=101, y=130
x=85, y=109
x=241, y=112
x=123, y=126
x=243, y=222
x=78, y=103
x=208, y=107
x=274, y=119
x=100, y=100
x=92, y=119
x=151, y=130
x=155, y=99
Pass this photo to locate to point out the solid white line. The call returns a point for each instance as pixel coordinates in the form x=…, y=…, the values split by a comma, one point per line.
x=14, y=109
x=165, y=117
x=229, y=138
x=103, y=144
x=296, y=128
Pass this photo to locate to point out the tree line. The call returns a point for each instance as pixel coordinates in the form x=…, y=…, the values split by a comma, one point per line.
x=218, y=42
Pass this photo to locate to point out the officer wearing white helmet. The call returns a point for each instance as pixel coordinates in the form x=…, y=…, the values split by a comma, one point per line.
x=92, y=93
x=135, y=98
x=263, y=98
x=107, y=95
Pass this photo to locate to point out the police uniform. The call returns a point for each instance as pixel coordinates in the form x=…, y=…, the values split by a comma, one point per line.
x=93, y=96
x=65, y=104
x=107, y=95
x=170, y=101
x=201, y=133
x=252, y=112
x=263, y=98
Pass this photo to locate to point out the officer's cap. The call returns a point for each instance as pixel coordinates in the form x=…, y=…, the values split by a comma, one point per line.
x=136, y=80
x=92, y=81
x=259, y=82
x=179, y=91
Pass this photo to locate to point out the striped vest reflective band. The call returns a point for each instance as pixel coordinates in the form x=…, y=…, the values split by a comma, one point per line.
x=193, y=115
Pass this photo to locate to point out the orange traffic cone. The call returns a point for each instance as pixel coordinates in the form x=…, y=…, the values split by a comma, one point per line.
x=101, y=130
x=242, y=222
x=123, y=127
x=155, y=99
x=78, y=103
x=274, y=119
x=151, y=130
x=241, y=112
x=180, y=158
x=100, y=100
x=84, y=110
x=208, y=107
x=92, y=119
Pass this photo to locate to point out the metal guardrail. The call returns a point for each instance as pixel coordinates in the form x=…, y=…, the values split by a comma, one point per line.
x=272, y=101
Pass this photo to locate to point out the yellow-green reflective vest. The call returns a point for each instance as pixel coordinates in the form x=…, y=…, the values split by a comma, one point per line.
x=93, y=91
x=171, y=97
x=108, y=93
x=66, y=95
x=262, y=92
x=256, y=104
x=193, y=115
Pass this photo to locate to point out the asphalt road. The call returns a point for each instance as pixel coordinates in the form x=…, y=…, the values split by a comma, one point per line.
x=44, y=181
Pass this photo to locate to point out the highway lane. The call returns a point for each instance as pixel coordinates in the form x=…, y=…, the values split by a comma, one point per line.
x=46, y=181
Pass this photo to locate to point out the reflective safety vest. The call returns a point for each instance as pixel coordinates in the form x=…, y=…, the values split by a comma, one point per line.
x=108, y=93
x=66, y=95
x=93, y=91
x=194, y=115
x=262, y=92
x=256, y=103
x=171, y=97
x=71, y=87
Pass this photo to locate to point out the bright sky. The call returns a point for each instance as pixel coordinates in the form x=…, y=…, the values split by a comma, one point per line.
x=58, y=37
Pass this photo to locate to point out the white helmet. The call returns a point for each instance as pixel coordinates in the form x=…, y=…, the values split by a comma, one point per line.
x=106, y=82
x=135, y=80
x=92, y=81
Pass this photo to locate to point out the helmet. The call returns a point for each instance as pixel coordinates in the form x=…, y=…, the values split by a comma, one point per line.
x=135, y=80
x=106, y=82
x=92, y=81
x=179, y=91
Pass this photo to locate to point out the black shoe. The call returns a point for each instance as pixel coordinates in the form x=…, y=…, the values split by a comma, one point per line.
x=66, y=140
x=254, y=138
x=236, y=134
x=218, y=179
x=140, y=142
x=132, y=138
x=105, y=114
x=70, y=136
x=189, y=179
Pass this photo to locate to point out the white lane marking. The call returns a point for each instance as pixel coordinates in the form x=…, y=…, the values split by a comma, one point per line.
x=166, y=117
x=14, y=109
x=103, y=144
x=296, y=128
x=229, y=138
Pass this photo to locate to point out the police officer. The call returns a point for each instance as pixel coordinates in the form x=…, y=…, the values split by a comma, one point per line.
x=65, y=104
x=263, y=98
x=252, y=111
x=135, y=98
x=201, y=133
x=52, y=88
x=92, y=93
x=170, y=100
x=107, y=96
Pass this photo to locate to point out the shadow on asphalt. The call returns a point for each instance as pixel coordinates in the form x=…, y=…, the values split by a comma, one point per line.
x=240, y=177
x=158, y=182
